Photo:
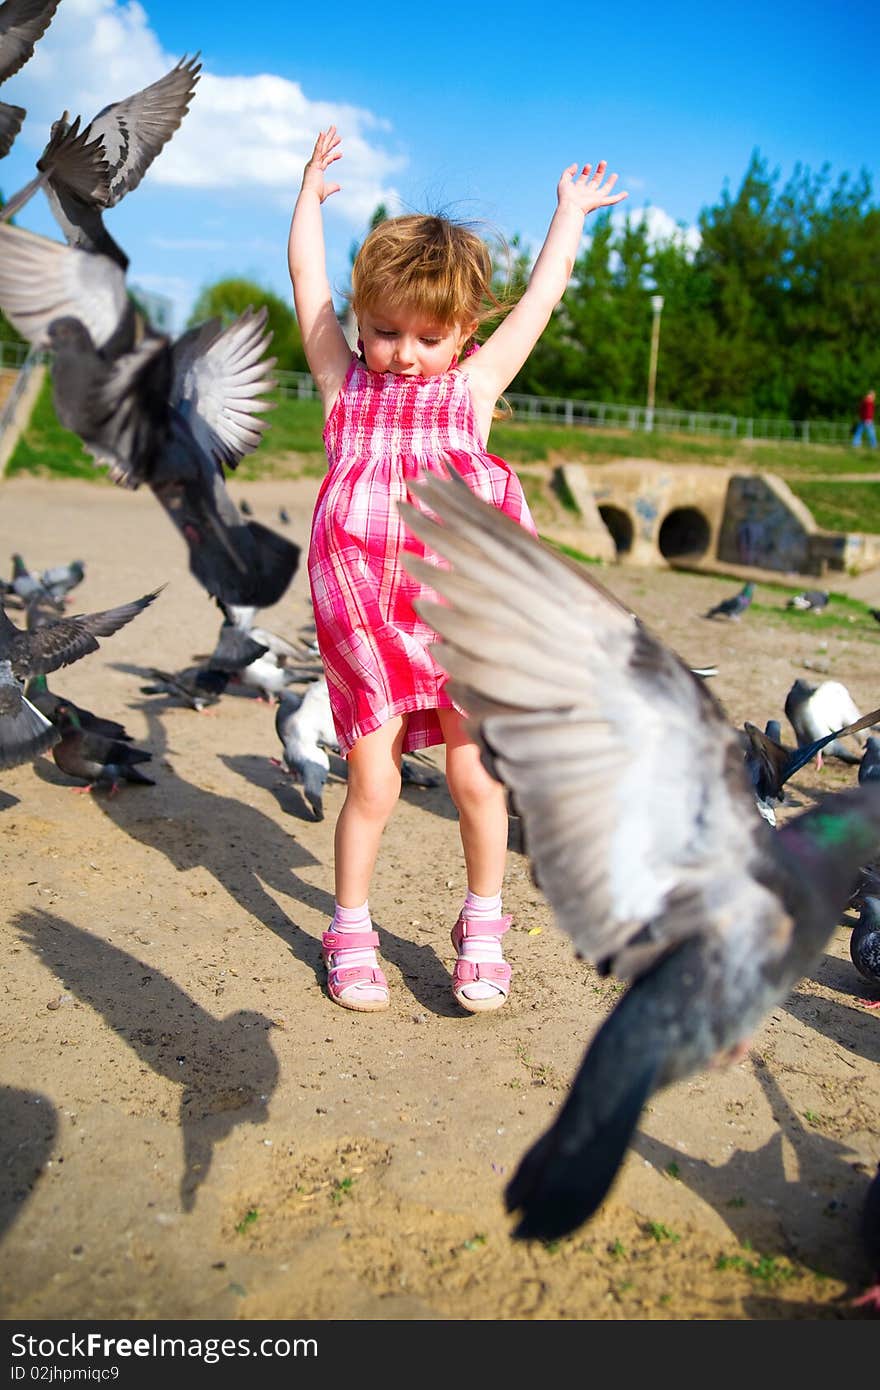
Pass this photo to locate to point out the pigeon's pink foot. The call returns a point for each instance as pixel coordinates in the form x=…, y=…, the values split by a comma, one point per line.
x=869, y=1299
x=869, y=1003
x=79, y=790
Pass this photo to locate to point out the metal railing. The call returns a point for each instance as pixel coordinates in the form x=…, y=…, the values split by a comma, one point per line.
x=558, y=410
x=27, y=365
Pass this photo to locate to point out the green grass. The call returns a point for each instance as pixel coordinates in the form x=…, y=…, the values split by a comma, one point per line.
x=293, y=447
x=46, y=449
x=841, y=506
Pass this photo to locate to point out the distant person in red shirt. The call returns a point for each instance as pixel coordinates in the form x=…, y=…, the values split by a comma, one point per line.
x=866, y=422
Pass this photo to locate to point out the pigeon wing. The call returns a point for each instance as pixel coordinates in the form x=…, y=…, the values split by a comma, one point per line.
x=65, y=641
x=11, y=118
x=42, y=280
x=133, y=131
x=628, y=779
x=22, y=23
x=221, y=376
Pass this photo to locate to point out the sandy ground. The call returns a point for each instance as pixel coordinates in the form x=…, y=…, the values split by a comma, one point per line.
x=190, y=1129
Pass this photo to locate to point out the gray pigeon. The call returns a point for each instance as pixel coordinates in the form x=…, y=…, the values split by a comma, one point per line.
x=869, y=767
x=58, y=580
x=809, y=599
x=63, y=641
x=770, y=764
x=127, y=136
x=98, y=761
x=48, y=703
x=864, y=942
x=735, y=606
x=22, y=23
x=667, y=880
x=172, y=415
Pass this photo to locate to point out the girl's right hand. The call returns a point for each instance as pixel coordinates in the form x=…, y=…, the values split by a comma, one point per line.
x=325, y=152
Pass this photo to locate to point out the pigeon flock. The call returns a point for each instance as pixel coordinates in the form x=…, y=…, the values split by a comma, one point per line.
x=683, y=888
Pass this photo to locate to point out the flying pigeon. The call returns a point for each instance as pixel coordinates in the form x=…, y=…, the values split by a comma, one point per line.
x=97, y=760
x=816, y=710
x=304, y=724
x=22, y=23
x=668, y=880
x=126, y=137
x=63, y=641
x=807, y=599
x=171, y=415
x=735, y=606
x=25, y=733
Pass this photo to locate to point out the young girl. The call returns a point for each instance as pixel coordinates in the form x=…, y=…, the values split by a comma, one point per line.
x=412, y=398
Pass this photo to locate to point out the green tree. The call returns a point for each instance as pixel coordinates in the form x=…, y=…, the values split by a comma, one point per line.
x=227, y=299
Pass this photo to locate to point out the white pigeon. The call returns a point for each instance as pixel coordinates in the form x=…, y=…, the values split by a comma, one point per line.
x=304, y=725
x=816, y=710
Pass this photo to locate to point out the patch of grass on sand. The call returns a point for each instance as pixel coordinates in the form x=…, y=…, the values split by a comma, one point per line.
x=45, y=448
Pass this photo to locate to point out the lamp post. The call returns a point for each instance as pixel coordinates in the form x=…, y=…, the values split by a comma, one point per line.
x=657, y=308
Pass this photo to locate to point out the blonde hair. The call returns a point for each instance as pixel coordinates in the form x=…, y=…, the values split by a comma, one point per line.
x=429, y=265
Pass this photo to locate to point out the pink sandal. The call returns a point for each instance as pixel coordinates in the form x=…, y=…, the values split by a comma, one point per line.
x=342, y=978
x=493, y=972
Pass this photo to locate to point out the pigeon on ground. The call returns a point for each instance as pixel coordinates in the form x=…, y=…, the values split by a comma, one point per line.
x=197, y=689
x=864, y=942
x=242, y=619
x=25, y=733
x=58, y=580
x=98, y=761
x=244, y=508
x=283, y=516
x=304, y=724
x=22, y=23
x=735, y=606
x=649, y=848
x=48, y=703
x=28, y=586
x=171, y=415
x=816, y=710
x=63, y=641
x=809, y=598
x=127, y=136
x=770, y=765
x=268, y=675
x=869, y=767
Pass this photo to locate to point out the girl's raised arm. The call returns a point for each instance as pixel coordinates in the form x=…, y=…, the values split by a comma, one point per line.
x=326, y=349
x=492, y=369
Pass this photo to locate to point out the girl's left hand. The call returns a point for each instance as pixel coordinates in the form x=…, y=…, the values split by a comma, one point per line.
x=585, y=192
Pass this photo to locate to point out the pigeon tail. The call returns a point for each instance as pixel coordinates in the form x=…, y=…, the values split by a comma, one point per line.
x=565, y=1176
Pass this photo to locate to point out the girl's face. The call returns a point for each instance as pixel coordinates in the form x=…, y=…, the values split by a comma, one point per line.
x=408, y=344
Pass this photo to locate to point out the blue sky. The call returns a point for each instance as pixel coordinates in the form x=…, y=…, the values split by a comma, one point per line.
x=474, y=109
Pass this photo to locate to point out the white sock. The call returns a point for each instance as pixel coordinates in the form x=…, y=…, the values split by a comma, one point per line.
x=357, y=919
x=481, y=948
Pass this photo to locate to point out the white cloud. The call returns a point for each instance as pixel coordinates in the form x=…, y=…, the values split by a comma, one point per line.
x=661, y=227
x=252, y=134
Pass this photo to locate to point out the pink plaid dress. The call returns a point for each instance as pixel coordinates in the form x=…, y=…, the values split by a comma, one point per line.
x=384, y=431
